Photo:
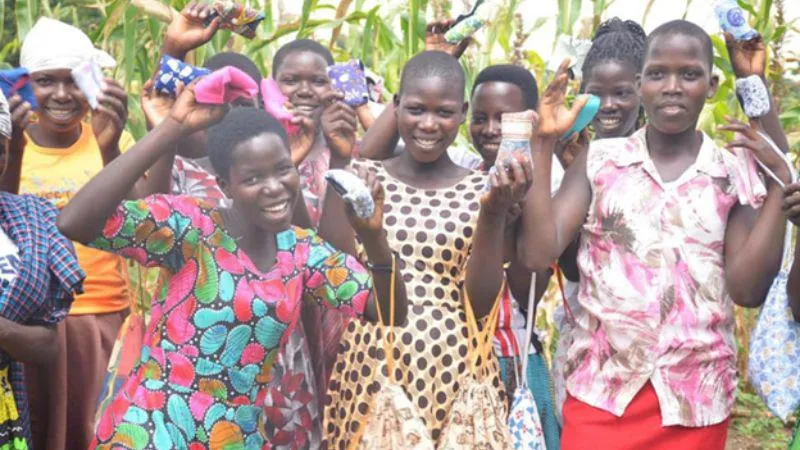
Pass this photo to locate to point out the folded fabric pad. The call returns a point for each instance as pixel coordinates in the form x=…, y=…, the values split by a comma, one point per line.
x=349, y=78
x=235, y=17
x=18, y=81
x=224, y=86
x=275, y=104
x=89, y=78
x=172, y=71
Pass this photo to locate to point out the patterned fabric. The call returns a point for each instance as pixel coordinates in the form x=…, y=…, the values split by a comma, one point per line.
x=191, y=179
x=394, y=423
x=172, y=70
x=540, y=385
x=524, y=422
x=217, y=326
x=48, y=278
x=653, y=297
x=432, y=229
x=774, y=364
x=312, y=178
x=349, y=79
x=235, y=17
x=18, y=81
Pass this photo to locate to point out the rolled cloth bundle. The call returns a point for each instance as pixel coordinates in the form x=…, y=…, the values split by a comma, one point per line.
x=5, y=117
x=53, y=45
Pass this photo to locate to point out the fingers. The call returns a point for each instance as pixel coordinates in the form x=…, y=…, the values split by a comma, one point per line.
x=577, y=105
x=212, y=28
x=21, y=112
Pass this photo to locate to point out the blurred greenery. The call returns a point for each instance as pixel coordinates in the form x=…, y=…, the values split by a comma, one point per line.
x=384, y=37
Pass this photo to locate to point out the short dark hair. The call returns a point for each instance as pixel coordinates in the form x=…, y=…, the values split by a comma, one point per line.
x=516, y=75
x=432, y=64
x=238, y=60
x=618, y=41
x=239, y=125
x=685, y=28
x=299, y=46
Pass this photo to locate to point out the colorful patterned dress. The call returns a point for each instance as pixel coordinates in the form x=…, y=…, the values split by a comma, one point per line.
x=217, y=327
x=432, y=231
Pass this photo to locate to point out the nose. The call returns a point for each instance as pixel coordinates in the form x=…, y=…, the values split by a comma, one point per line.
x=62, y=92
x=271, y=186
x=607, y=103
x=304, y=90
x=672, y=85
x=493, y=128
x=428, y=123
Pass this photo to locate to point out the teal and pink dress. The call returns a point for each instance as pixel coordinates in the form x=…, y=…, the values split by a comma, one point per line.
x=217, y=326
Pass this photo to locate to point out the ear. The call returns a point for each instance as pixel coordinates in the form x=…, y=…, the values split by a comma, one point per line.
x=224, y=186
x=396, y=100
x=639, y=84
x=464, y=110
x=713, y=86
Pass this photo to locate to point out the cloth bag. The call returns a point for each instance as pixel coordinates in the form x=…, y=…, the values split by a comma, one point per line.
x=774, y=362
x=524, y=422
x=476, y=419
x=224, y=86
x=393, y=422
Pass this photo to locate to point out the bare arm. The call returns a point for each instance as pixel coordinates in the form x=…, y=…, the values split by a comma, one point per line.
x=793, y=284
x=34, y=344
x=381, y=139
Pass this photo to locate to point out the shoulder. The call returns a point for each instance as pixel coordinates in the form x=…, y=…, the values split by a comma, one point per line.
x=465, y=157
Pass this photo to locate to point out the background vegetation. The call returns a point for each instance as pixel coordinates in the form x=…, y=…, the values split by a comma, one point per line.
x=384, y=37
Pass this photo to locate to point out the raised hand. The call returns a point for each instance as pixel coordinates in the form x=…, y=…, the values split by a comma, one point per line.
x=748, y=138
x=339, y=124
x=568, y=150
x=194, y=116
x=156, y=106
x=21, y=116
x=509, y=183
x=187, y=31
x=109, y=119
x=434, y=39
x=371, y=226
x=302, y=141
x=747, y=57
x=555, y=119
x=791, y=203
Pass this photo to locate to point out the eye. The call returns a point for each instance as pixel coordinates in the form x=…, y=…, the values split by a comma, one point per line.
x=320, y=81
x=691, y=74
x=251, y=180
x=288, y=80
x=285, y=169
x=446, y=113
x=654, y=74
x=414, y=110
x=623, y=93
x=44, y=81
x=478, y=120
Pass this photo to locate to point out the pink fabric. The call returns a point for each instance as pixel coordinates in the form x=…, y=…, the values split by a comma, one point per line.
x=224, y=86
x=654, y=305
x=275, y=104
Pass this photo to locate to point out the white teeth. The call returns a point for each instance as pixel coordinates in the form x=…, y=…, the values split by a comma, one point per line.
x=427, y=142
x=306, y=108
x=609, y=122
x=277, y=208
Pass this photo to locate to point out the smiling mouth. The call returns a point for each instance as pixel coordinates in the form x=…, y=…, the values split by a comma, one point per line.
x=61, y=113
x=609, y=122
x=277, y=208
x=672, y=109
x=426, y=144
x=306, y=108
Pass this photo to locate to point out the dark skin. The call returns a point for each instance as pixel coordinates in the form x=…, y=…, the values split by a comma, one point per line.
x=262, y=183
x=791, y=207
x=489, y=102
x=674, y=85
x=428, y=115
x=35, y=344
x=62, y=107
x=615, y=84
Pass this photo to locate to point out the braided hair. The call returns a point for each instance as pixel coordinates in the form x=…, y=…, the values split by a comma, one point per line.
x=617, y=40
x=620, y=41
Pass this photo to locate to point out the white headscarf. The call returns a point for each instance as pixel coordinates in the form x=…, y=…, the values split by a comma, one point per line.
x=5, y=117
x=53, y=45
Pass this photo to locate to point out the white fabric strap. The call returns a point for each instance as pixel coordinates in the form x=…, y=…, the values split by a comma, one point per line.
x=522, y=379
x=54, y=45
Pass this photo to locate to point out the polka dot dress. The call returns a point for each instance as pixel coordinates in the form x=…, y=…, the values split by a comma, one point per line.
x=432, y=231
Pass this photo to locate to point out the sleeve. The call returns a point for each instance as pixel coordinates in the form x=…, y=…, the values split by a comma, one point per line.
x=744, y=176
x=158, y=231
x=66, y=277
x=333, y=278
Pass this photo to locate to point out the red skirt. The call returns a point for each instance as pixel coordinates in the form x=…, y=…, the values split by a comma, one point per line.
x=639, y=428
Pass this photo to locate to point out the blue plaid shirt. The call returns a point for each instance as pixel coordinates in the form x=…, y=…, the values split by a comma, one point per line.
x=49, y=277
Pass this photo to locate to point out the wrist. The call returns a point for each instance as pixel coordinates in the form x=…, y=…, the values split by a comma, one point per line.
x=174, y=50
x=376, y=247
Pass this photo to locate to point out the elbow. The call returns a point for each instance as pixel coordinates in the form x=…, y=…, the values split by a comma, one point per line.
x=66, y=225
x=531, y=260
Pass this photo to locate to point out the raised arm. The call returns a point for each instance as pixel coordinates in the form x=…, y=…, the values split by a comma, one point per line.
x=749, y=58
x=381, y=139
x=83, y=218
x=550, y=223
x=754, y=240
x=791, y=207
x=21, y=115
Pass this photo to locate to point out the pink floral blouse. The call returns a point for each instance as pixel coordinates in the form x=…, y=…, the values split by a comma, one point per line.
x=652, y=290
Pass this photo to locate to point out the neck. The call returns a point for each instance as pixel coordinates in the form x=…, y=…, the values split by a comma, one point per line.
x=425, y=169
x=54, y=138
x=247, y=235
x=661, y=144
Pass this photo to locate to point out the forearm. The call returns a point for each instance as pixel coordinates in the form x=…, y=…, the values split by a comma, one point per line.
x=750, y=272
x=9, y=180
x=537, y=245
x=771, y=124
x=380, y=254
x=793, y=284
x=158, y=179
x=484, y=271
x=365, y=117
x=381, y=139
x=28, y=343
x=334, y=226
x=83, y=218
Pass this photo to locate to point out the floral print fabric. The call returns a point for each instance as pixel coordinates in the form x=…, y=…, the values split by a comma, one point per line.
x=217, y=326
x=654, y=306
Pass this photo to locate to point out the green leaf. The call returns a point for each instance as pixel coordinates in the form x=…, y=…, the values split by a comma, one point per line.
x=308, y=5
x=2, y=18
x=26, y=12
x=130, y=28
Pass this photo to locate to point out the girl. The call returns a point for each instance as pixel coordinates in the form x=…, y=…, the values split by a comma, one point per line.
x=39, y=275
x=664, y=249
x=432, y=220
x=63, y=151
x=237, y=275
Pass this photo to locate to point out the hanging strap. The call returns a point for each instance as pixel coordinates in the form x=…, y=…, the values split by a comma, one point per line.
x=522, y=379
x=560, y=280
x=484, y=338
